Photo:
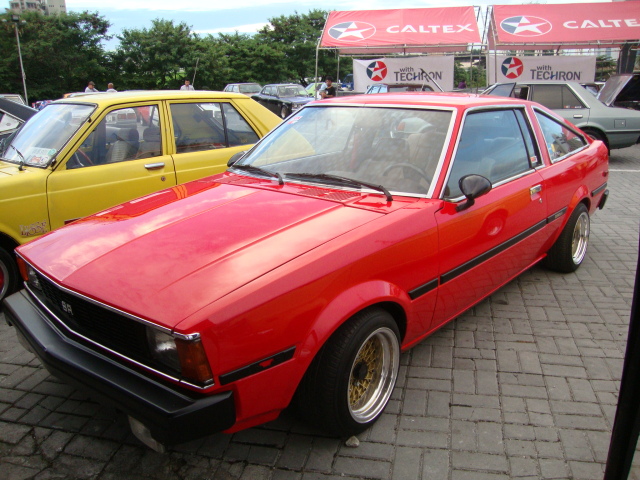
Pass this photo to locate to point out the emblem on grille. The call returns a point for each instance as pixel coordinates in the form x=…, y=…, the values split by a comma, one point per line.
x=67, y=308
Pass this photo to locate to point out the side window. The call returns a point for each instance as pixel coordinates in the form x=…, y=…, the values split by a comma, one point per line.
x=7, y=122
x=239, y=132
x=197, y=127
x=555, y=96
x=492, y=145
x=123, y=134
x=559, y=138
x=269, y=91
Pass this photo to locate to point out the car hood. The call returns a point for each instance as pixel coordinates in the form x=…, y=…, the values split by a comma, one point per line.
x=163, y=259
x=298, y=99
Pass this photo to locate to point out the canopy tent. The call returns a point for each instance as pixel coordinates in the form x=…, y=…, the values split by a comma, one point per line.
x=413, y=30
x=569, y=25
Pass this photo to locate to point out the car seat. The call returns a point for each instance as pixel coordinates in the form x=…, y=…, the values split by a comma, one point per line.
x=151, y=143
x=125, y=147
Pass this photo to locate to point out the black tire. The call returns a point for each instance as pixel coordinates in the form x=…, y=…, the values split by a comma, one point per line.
x=284, y=112
x=9, y=275
x=597, y=135
x=351, y=379
x=570, y=249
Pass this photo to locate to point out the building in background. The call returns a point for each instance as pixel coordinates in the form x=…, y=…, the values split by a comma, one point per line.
x=47, y=7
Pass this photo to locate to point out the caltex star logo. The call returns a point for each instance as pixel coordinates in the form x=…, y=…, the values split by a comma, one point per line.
x=526, y=26
x=512, y=67
x=377, y=71
x=352, y=31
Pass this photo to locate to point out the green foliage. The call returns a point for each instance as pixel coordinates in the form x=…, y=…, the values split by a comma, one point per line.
x=60, y=53
x=157, y=58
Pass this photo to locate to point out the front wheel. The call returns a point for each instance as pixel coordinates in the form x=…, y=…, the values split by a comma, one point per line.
x=570, y=249
x=9, y=276
x=284, y=112
x=350, y=381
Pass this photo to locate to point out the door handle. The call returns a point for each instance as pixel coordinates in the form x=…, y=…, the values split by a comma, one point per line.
x=577, y=115
x=154, y=166
x=534, y=190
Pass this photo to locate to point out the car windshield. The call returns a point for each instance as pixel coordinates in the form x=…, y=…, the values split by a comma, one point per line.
x=398, y=148
x=255, y=88
x=41, y=138
x=292, y=91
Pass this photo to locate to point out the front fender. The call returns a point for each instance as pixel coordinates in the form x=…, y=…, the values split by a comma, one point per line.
x=344, y=306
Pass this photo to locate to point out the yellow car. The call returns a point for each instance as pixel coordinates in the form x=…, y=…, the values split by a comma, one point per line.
x=84, y=154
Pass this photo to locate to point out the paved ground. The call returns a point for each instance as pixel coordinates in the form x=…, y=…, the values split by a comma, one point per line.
x=522, y=386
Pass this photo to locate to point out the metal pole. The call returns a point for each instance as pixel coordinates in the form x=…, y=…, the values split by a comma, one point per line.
x=24, y=78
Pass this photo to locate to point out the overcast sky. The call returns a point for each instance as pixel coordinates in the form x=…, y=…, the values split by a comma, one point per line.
x=245, y=16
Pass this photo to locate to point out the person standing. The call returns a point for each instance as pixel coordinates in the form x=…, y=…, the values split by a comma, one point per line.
x=330, y=91
x=187, y=86
x=110, y=88
x=91, y=88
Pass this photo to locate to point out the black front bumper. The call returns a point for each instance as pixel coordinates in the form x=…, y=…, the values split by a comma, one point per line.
x=171, y=416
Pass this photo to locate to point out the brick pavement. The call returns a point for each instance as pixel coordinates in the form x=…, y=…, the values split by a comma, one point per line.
x=524, y=386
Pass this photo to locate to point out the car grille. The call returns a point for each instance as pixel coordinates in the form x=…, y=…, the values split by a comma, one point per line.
x=96, y=323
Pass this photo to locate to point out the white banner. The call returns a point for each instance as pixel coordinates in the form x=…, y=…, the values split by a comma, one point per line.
x=396, y=70
x=576, y=68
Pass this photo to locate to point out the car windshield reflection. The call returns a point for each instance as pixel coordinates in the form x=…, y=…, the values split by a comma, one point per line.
x=40, y=139
x=396, y=148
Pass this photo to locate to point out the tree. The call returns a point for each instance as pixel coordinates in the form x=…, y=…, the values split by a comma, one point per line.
x=158, y=58
x=298, y=35
x=60, y=53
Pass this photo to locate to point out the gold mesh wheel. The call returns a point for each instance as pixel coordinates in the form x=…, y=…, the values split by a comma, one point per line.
x=373, y=375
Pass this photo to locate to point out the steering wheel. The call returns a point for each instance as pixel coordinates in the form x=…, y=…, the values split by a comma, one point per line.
x=82, y=159
x=409, y=166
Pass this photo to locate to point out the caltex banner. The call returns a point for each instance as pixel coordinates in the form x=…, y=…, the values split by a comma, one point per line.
x=394, y=71
x=575, y=68
x=412, y=27
x=564, y=24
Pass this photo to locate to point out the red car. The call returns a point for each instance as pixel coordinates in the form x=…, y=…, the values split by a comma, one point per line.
x=347, y=235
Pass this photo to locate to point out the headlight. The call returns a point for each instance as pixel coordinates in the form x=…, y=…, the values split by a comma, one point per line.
x=163, y=348
x=28, y=274
x=185, y=357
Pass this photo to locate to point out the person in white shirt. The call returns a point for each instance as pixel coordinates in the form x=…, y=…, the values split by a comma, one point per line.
x=91, y=87
x=187, y=86
x=110, y=88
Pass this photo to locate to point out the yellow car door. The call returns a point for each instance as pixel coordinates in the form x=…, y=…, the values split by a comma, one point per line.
x=207, y=133
x=123, y=157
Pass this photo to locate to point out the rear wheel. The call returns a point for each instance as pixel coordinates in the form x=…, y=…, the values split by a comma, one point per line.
x=597, y=135
x=284, y=112
x=570, y=249
x=350, y=381
x=9, y=276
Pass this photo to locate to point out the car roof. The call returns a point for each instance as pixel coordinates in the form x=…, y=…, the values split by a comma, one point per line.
x=106, y=99
x=436, y=99
x=23, y=112
x=243, y=83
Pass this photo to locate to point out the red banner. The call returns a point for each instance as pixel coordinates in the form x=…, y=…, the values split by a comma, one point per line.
x=565, y=24
x=438, y=27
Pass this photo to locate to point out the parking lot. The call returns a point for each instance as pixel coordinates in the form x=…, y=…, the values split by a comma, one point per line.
x=524, y=385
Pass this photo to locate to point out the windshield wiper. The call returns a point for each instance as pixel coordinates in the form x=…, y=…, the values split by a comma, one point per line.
x=22, y=160
x=338, y=180
x=253, y=168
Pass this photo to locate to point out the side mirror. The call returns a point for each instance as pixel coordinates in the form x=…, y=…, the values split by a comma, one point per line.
x=472, y=187
x=236, y=158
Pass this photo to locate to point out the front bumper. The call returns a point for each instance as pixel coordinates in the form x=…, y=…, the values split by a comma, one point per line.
x=171, y=416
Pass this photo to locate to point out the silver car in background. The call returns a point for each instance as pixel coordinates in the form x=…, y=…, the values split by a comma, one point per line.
x=616, y=127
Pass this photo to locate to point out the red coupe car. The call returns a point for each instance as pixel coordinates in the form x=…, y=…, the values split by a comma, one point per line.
x=347, y=235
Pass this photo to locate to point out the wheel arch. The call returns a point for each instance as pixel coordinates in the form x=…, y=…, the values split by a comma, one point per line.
x=373, y=294
x=596, y=129
x=7, y=242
